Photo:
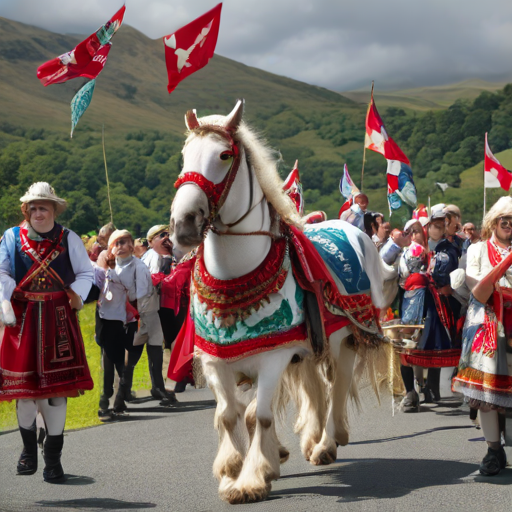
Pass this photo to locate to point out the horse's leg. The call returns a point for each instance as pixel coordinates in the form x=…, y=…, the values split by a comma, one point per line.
x=336, y=428
x=308, y=389
x=250, y=423
x=261, y=464
x=221, y=380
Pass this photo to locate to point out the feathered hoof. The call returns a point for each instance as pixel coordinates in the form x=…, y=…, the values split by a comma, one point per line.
x=284, y=454
x=237, y=496
x=230, y=468
x=323, y=456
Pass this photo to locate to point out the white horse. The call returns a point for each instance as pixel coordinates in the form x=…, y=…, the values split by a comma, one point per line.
x=229, y=193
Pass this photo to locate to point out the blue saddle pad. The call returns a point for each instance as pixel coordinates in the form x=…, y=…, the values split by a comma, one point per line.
x=335, y=249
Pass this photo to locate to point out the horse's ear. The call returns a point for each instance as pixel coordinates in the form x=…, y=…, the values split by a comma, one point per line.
x=235, y=117
x=191, y=120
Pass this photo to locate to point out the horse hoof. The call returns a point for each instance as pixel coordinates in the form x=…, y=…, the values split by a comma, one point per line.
x=284, y=454
x=236, y=496
x=323, y=457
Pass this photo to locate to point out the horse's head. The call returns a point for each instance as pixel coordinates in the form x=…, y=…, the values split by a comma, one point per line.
x=215, y=185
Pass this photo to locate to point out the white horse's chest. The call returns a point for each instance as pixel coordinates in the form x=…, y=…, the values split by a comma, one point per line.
x=228, y=257
x=250, y=314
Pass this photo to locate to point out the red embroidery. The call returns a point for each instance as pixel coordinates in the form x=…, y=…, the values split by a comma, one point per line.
x=239, y=296
x=253, y=346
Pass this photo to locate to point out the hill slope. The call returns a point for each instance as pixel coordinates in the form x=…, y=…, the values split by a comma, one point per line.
x=426, y=98
x=131, y=91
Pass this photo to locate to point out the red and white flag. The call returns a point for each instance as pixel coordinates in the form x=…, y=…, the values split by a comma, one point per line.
x=377, y=139
x=495, y=174
x=293, y=188
x=87, y=59
x=191, y=47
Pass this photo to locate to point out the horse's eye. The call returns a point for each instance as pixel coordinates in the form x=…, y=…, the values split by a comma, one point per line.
x=226, y=155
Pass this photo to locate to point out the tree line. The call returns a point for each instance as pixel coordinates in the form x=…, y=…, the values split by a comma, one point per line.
x=143, y=165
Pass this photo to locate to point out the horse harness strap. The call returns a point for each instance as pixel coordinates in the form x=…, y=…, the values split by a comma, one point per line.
x=217, y=192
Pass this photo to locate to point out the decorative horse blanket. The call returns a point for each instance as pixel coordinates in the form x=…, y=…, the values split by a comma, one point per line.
x=266, y=308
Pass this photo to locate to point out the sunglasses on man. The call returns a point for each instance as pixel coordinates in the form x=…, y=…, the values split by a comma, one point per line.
x=505, y=222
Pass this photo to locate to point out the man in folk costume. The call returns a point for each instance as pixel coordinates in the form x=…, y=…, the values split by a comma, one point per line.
x=485, y=368
x=45, y=275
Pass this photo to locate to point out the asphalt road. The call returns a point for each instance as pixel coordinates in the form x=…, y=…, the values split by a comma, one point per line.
x=160, y=458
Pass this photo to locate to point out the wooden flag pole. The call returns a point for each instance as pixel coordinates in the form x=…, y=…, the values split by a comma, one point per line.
x=485, y=188
x=364, y=144
x=485, y=193
x=106, y=173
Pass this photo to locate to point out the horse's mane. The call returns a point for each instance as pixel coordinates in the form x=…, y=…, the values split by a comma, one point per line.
x=264, y=164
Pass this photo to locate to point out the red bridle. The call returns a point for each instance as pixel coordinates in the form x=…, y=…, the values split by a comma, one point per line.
x=215, y=192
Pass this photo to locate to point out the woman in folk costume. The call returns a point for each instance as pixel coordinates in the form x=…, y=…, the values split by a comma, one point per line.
x=45, y=275
x=414, y=281
x=485, y=368
x=442, y=311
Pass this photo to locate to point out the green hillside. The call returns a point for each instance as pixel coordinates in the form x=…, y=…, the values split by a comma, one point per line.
x=426, y=98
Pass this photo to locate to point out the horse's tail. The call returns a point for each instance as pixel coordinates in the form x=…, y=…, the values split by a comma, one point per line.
x=373, y=369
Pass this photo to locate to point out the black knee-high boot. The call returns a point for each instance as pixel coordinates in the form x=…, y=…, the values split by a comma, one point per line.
x=27, y=463
x=52, y=451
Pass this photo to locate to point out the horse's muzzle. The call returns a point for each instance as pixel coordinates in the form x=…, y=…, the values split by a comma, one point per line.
x=189, y=229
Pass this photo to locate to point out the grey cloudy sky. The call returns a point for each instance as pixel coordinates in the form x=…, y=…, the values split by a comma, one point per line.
x=339, y=44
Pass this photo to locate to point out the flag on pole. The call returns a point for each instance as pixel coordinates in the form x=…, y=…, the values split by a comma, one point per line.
x=348, y=190
x=347, y=187
x=401, y=190
x=87, y=59
x=495, y=174
x=377, y=138
x=191, y=47
x=293, y=188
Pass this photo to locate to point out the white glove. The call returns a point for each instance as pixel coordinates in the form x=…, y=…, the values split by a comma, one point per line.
x=8, y=316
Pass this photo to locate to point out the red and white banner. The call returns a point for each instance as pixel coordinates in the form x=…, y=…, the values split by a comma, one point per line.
x=495, y=174
x=86, y=60
x=377, y=139
x=293, y=188
x=191, y=47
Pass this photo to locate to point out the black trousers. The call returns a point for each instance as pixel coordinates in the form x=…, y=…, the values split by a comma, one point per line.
x=115, y=339
x=155, y=363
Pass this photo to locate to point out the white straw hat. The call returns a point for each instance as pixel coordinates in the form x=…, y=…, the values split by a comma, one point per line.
x=117, y=234
x=42, y=191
